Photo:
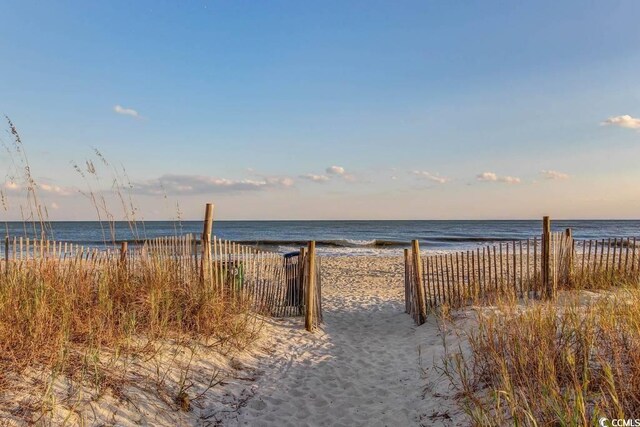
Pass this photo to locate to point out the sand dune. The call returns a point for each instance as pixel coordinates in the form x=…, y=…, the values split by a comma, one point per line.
x=367, y=365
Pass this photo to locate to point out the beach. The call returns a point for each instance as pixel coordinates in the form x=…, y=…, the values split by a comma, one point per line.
x=367, y=365
x=319, y=214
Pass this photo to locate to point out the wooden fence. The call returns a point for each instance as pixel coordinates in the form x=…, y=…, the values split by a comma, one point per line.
x=607, y=256
x=270, y=283
x=531, y=268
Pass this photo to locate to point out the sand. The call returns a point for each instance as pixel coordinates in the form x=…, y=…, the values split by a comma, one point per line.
x=368, y=365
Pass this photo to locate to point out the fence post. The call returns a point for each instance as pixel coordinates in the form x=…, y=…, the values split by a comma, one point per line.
x=406, y=281
x=417, y=270
x=301, y=281
x=547, y=282
x=123, y=254
x=206, y=243
x=311, y=285
x=568, y=235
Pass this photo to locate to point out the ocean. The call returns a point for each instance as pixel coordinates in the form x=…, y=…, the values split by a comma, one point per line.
x=336, y=237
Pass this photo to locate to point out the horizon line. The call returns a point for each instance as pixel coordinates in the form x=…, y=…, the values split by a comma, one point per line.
x=325, y=220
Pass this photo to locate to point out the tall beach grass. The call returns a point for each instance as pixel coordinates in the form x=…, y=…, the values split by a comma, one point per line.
x=568, y=362
x=80, y=320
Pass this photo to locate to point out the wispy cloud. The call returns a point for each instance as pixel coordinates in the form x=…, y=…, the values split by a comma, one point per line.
x=11, y=186
x=493, y=177
x=126, y=111
x=55, y=189
x=431, y=176
x=315, y=178
x=625, y=121
x=551, y=174
x=44, y=188
x=198, y=184
x=509, y=179
x=339, y=171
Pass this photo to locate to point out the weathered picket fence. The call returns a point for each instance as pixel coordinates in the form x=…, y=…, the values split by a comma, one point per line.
x=607, y=256
x=531, y=268
x=268, y=282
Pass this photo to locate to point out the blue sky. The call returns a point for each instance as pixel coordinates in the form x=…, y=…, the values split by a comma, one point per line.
x=427, y=109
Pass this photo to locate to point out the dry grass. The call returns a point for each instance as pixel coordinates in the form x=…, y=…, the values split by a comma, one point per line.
x=48, y=308
x=567, y=362
x=83, y=321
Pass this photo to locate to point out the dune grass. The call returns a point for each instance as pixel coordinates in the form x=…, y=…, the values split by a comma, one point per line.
x=82, y=320
x=568, y=362
x=64, y=319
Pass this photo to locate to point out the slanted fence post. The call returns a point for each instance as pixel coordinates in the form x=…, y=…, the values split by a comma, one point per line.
x=310, y=292
x=548, y=291
x=417, y=273
x=205, y=262
x=568, y=237
x=302, y=268
x=407, y=288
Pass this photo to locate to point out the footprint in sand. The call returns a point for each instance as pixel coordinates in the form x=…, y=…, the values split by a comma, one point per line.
x=257, y=404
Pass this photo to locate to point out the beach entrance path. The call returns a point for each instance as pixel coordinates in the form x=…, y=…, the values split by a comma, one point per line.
x=365, y=367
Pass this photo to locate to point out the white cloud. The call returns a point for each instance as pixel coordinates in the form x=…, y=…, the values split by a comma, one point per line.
x=198, y=184
x=509, y=179
x=279, y=181
x=11, y=186
x=336, y=170
x=487, y=176
x=493, y=177
x=551, y=174
x=341, y=172
x=126, y=111
x=40, y=188
x=625, y=121
x=55, y=189
x=315, y=178
x=54, y=206
x=431, y=177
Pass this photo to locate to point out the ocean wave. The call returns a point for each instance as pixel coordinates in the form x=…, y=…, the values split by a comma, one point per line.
x=337, y=243
x=470, y=239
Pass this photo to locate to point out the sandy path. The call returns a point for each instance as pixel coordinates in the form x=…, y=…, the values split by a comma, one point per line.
x=363, y=368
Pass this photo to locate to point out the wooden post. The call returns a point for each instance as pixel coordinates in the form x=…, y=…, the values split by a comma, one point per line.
x=568, y=234
x=547, y=281
x=311, y=285
x=205, y=261
x=626, y=255
x=123, y=254
x=427, y=281
x=417, y=272
x=406, y=281
x=301, y=282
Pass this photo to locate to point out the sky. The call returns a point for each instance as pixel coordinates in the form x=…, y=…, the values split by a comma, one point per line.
x=322, y=110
